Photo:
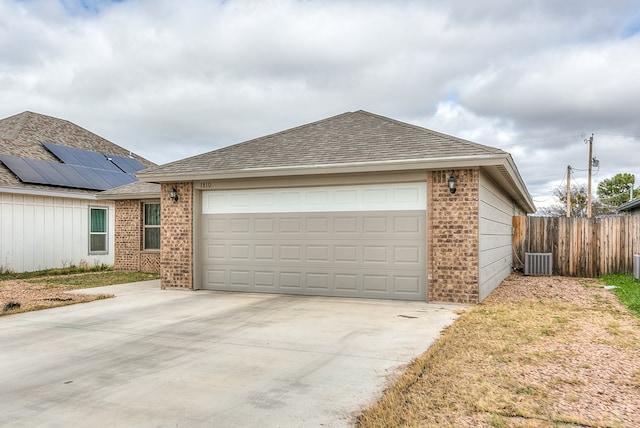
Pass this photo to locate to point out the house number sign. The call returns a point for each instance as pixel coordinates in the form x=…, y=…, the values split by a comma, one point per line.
x=204, y=185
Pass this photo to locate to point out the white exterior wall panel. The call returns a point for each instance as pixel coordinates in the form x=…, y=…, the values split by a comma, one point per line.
x=40, y=232
x=495, y=233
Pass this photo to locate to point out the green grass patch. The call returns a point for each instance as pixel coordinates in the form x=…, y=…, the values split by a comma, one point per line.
x=70, y=270
x=99, y=279
x=627, y=289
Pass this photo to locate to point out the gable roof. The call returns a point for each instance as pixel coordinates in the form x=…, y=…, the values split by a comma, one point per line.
x=350, y=142
x=22, y=135
x=347, y=138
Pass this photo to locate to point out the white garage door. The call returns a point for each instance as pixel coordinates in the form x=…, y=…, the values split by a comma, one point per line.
x=349, y=241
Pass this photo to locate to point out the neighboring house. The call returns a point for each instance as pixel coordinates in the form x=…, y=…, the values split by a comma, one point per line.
x=50, y=172
x=356, y=205
x=632, y=207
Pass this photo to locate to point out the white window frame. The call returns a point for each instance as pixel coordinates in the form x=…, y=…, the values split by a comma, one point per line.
x=151, y=226
x=105, y=233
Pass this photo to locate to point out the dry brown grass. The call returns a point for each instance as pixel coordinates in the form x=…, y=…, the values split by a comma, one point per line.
x=539, y=352
x=34, y=297
x=32, y=294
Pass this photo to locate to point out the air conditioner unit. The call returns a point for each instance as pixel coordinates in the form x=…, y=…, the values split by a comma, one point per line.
x=636, y=266
x=537, y=264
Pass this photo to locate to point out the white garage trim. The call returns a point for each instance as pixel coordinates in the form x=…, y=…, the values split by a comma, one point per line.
x=374, y=197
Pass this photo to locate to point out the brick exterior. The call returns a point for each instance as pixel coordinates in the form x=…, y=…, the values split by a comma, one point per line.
x=129, y=254
x=150, y=261
x=128, y=235
x=176, y=236
x=452, y=237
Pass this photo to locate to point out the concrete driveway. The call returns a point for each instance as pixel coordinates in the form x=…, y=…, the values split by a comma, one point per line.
x=154, y=358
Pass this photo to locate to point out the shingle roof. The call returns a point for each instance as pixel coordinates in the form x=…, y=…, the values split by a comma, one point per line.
x=137, y=190
x=353, y=137
x=22, y=134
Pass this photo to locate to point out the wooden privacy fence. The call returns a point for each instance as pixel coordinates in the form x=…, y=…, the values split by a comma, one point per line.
x=579, y=246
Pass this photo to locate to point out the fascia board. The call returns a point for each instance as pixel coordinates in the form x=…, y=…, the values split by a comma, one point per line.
x=49, y=193
x=127, y=196
x=456, y=162
x=504, y=161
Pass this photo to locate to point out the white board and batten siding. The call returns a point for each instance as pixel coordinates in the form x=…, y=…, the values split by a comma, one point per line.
x=495, y=231
x=42, y=232
x=349, y=241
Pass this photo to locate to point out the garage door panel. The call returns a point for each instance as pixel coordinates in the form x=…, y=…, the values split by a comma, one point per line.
x=239, y=252
x=240, y=225
x=264, y=226
x=264, y=252
x=265, y=280
x=406, y=284
x=291, y=253
x=407, y=224
x=373, y=252
x=318, y=281
x=373, y=271
x=407, y=254
x=317, y=225
x=318, y=253
x=291, y=281
x=345, y=253
x=343, y=226
x=376, y=224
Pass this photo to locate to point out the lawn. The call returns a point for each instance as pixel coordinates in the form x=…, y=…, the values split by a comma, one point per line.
x=539, y=352
x=627, y=289
x=31, y=291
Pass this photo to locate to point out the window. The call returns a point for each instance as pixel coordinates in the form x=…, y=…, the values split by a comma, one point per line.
x=151, y=226
x=97, y=230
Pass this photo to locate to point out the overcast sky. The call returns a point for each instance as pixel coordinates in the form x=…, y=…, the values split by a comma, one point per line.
x=169, y=79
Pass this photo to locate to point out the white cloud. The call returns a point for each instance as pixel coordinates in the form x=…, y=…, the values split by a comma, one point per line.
x=171, y=79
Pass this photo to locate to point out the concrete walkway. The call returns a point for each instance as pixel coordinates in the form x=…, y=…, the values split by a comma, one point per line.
x=169, y=358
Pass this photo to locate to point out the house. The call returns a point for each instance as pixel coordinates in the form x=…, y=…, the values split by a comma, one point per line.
x=50, y=173
x=632, y=207
x=356, y=205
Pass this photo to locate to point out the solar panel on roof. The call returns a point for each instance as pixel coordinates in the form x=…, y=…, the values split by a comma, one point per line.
x=80, y=157
x=58, y=174
x=129, y=165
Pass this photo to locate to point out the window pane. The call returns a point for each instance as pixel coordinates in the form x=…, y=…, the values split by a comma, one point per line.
x=98, y=220
x=152, y=238
x=98, y=243
x=152, y=214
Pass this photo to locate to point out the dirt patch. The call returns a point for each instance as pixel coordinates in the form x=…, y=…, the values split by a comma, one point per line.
x=539, y=352
x=21, y=296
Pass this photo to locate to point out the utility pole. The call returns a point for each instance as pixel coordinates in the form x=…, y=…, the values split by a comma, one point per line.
x=568, y=190
x=589, y=185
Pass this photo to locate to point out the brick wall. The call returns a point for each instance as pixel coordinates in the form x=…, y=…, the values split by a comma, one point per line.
x=150, y=261
x=176, y=244
x=128, y=235
x=129, y=254
x=452, y=237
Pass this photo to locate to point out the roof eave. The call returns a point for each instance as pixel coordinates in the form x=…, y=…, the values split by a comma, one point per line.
x=629, y=205
x=127, y=196
x=355, y=167
x=49, y=193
